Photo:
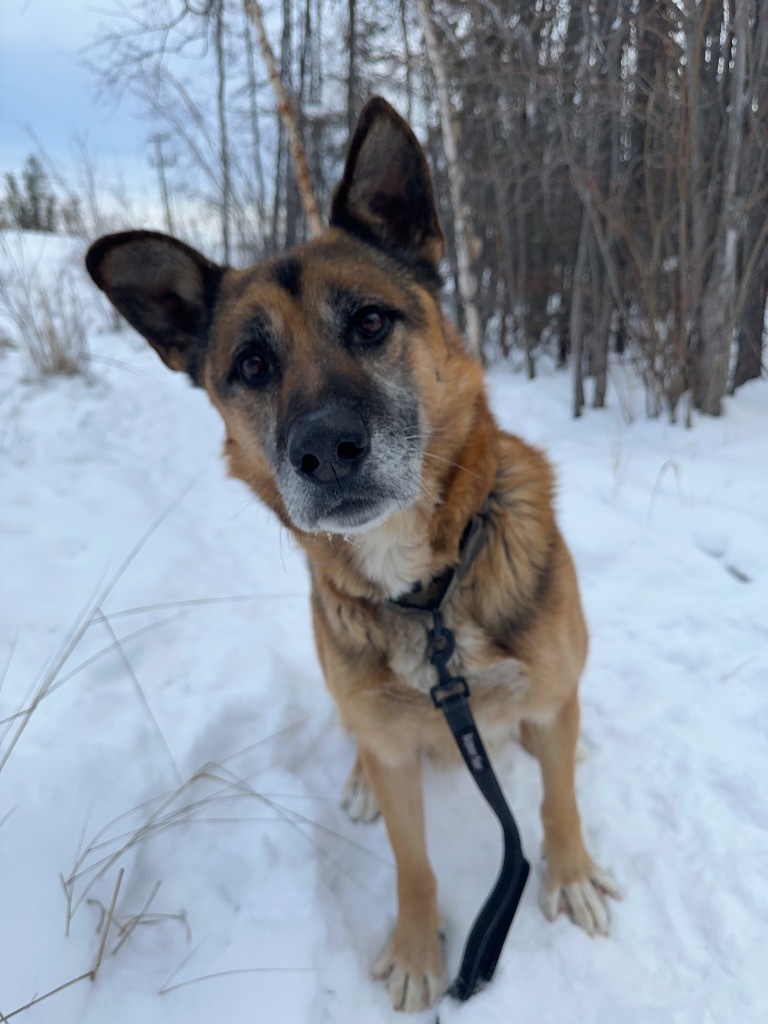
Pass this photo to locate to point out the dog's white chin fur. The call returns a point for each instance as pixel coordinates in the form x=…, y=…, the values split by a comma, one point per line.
x=347, y=529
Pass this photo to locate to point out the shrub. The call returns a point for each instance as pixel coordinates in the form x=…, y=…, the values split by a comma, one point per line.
x=44, y=314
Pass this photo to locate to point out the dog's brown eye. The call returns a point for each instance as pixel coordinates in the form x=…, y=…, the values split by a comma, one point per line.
x=372, y=324
x=252, y=367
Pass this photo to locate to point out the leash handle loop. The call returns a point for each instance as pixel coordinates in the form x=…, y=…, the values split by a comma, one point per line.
x=491, y=926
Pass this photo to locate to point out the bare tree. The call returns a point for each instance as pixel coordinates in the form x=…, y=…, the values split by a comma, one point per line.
x=217, y=14
x=466, y=278
x=718, y=311
x=288, y=118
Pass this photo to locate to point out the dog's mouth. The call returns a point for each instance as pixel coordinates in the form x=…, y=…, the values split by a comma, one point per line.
x=352, y=506
x=346, y=513
x=356, y=515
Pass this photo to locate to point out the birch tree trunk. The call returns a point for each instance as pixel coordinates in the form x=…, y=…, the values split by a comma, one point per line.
x=353, y=108
x=753, y=284
x=221, y=109
x=466, y=279
x=576, y=321
x=288, y=118
x=718, y=308
x=253, y=117
x=403, y=11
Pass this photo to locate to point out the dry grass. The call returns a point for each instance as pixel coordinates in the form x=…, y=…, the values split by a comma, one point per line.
x=43, y=312
x=214, y=793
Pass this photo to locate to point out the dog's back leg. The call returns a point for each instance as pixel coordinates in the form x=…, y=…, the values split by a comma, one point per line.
x=358, y=799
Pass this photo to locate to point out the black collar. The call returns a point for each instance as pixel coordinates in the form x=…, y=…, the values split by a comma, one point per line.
x=434, y=595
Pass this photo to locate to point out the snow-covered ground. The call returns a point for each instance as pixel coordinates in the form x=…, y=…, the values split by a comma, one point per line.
x=201, y=753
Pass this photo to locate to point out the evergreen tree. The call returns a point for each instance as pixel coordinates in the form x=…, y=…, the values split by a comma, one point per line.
x=31, y=205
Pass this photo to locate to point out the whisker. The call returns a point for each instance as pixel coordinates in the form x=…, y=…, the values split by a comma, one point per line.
x=429, y=493
x=450, y=462
x=424, y=439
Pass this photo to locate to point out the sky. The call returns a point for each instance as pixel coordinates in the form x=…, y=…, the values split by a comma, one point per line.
x=46, y=90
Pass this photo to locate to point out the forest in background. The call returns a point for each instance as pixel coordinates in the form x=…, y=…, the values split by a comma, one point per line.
x=601, y=165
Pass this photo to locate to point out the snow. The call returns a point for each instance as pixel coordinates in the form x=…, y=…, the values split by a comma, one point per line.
x=203, y=753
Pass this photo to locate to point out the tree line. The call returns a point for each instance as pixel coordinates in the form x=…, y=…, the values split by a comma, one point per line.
x=619, y=186
x=601, y=165
x=30, y=203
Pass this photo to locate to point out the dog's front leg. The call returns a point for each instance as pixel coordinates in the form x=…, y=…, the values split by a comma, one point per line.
x=573, y=881
x=411, y=965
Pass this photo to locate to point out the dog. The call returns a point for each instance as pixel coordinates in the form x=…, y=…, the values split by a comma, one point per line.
x=354, y=411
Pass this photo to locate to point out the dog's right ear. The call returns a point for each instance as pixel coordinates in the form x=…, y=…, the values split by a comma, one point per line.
x=163, y=288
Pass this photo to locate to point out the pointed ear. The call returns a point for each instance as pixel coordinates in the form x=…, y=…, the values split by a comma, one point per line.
x=163, y=288
x=385, y=195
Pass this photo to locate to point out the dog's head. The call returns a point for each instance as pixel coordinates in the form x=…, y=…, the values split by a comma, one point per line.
x=326, y=364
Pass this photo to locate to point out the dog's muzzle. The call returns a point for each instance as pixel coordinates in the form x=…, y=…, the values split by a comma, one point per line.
x=343, y=472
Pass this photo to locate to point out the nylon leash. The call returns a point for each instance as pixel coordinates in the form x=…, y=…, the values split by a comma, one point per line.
x=491, y=926
x=451, y=695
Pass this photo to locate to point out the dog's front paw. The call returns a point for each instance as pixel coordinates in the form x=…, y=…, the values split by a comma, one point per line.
x=358, y=799
x=412, y=970
x=583, y=899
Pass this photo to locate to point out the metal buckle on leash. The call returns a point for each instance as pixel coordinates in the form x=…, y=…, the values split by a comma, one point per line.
x=452, y=689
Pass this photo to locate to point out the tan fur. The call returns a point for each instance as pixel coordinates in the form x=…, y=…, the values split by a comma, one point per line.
x=516, y=613
x=373, y=656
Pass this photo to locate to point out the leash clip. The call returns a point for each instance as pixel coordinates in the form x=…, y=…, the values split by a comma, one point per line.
x=441, y=643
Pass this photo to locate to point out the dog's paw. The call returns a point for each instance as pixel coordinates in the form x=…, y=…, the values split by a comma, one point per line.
x=584, y=900
x=358, y=799
x=414, y=978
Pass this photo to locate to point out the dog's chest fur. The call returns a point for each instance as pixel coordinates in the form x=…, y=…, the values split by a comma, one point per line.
x=394, y=555
x=408, y=656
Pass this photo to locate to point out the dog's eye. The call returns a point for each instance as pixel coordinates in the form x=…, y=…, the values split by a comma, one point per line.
x=372, y=325
x=252, y=367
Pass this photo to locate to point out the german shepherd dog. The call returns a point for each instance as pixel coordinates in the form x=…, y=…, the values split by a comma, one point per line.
x=354, y=411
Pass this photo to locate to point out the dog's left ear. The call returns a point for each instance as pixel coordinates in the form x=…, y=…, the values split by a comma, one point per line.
x=385, y=195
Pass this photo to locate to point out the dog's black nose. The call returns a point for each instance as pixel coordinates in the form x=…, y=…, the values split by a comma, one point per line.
x=328, y=444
